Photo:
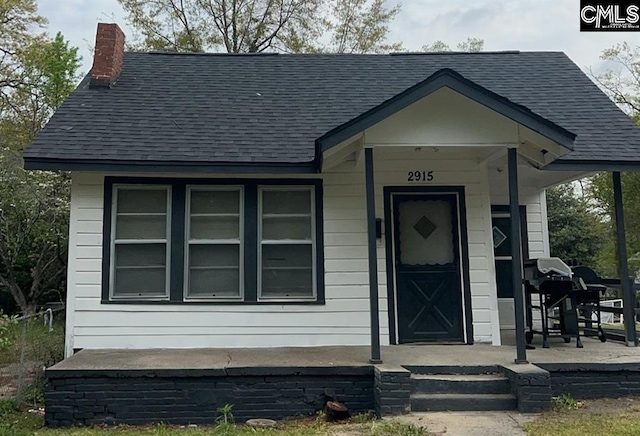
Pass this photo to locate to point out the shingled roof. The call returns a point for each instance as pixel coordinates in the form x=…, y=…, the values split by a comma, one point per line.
x=195, y=110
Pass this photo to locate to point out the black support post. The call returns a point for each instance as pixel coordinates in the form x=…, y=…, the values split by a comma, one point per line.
x=628, y=294
x=516, y=250
x=373, y=256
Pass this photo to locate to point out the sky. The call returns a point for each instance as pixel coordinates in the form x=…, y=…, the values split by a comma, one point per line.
x=546, y=25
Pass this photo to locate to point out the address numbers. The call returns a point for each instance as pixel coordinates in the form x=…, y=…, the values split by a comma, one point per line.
x=420, y=176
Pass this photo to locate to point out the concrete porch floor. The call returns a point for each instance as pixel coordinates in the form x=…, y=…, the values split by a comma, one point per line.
x=594, y=352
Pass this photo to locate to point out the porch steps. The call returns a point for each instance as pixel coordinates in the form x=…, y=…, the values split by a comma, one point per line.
x=462, y=402
x=463, y=391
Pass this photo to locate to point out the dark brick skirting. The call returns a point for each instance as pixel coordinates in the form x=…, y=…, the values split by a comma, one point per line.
x=89, y=397
x=193, y=397
x=392, y=391
x=531, y=386
x=594, y=380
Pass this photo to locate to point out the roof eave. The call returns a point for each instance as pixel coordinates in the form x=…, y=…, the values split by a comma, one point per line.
x=47, y=164
x=595, y=165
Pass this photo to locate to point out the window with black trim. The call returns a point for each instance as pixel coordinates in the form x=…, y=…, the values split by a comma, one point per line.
x=287, y=256
x=140, y=242
x=213, y=242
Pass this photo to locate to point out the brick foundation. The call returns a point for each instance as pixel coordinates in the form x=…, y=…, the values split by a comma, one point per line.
x=392, y=391
x=586, y=381
x=186, y=397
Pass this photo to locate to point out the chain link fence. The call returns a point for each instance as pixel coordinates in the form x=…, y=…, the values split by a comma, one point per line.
x=28, y=345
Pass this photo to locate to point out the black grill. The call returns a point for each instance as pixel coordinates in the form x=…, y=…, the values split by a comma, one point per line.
x=563, y=297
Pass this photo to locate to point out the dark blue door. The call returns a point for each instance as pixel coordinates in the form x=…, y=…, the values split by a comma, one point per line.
x=501, y=222
x=428, y=268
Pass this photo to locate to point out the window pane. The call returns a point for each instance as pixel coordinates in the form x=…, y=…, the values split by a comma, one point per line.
x=141, y=227
x=207, y=227
x=286, y=228
x=215, y=201
x=286, y=202
x=142, y=282
x=287, y=271
x=287, y=283
x=214, y=283
x=214, y=255
x=142, y=200
x=141, y=255
x=214, y=271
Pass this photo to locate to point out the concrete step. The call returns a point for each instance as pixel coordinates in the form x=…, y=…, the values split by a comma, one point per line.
x=462, y=402
x=460, y=384
x=454, y=369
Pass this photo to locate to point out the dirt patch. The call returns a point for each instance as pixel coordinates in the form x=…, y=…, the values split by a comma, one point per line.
x=10, y=374
x=611, y=405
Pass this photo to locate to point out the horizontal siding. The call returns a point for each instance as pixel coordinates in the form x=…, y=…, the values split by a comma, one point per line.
x=236, y=340
x=537, y=233
x=391, y=168
x=343, y=320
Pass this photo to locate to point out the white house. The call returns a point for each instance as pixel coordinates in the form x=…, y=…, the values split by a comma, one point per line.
x=222, y=200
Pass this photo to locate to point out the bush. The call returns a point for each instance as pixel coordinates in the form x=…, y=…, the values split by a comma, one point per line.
x=6, y=336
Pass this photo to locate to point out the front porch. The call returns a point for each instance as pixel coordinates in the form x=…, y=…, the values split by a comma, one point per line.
x=225, y=359
x=135, y=386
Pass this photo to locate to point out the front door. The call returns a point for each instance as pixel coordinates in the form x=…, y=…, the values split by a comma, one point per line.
x=428, y=268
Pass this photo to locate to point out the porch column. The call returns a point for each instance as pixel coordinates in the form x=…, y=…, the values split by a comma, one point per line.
x=628, y=293
x=373, y=256
x=516, y=250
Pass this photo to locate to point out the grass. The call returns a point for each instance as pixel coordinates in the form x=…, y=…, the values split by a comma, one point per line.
x=16, y=421
x=618, y=326
x=575, y=424
x=613, y=417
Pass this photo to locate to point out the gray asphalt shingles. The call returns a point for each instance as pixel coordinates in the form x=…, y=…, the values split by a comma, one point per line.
x=271, y=108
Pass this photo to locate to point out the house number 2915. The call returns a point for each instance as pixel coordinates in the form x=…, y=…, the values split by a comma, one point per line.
x=420, y=176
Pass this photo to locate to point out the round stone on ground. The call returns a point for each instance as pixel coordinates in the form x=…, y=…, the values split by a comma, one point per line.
x=261, y=423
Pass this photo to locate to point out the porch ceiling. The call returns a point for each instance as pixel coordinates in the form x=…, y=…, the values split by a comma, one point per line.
x=529, y=175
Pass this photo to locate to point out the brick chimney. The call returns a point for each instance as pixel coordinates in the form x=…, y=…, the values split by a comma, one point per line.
x=108, y=56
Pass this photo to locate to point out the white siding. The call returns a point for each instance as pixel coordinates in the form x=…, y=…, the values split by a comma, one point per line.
x=343, y=320
x=344, y=190
x=537, y=230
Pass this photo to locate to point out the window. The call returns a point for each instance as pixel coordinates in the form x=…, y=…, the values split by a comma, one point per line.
x=140, y=242
x=205, y=241
x=214, y=242
x=286, y=242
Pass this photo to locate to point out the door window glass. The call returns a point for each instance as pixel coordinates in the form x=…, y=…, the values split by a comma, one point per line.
x=426, y=232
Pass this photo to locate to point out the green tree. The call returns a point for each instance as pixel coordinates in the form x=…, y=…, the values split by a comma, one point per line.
x=601, y=191
x=576, y=231
x=34, y=206
x=34, y=211
x=622, y=80
x=18, y=21
x=471, y=45
x=249, y=26
x=622, y=83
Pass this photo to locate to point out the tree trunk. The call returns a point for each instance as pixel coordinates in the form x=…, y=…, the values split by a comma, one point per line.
x=30, y=308
x=20, y=299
